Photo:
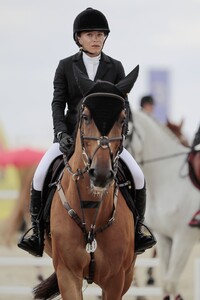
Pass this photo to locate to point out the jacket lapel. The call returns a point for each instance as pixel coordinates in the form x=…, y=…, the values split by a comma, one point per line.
x=104, y=66
x=77, y=59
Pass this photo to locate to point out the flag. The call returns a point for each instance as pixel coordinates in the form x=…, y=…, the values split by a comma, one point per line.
x=160, y=91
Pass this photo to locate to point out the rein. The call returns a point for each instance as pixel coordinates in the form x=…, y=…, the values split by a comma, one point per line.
x=77, y=219
x=79, y=173
x=155, y=159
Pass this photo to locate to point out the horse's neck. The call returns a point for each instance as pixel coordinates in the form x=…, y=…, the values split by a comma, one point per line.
x=25, y=173
x=162, y=154
x=159, y=140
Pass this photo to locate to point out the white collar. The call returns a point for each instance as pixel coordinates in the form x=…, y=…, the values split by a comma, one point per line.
x=91, y=60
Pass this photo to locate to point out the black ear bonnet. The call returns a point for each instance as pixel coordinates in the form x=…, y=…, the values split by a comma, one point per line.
x=105, y=109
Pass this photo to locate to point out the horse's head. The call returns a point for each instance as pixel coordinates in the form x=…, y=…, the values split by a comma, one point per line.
x=177, y=130
x=102, y=127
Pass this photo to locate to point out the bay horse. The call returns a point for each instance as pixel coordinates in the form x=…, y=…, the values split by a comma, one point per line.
x=25, y=161
x=172, y=198
x=91, y=227
x=177, y=130
x=19, y=214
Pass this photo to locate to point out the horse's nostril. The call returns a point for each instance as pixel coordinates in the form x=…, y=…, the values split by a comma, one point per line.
x=92, y=173
x=111, y=174
x=101, y=178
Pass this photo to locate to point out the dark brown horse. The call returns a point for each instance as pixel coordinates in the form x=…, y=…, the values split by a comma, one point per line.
x=19, y=216
x=177, y=130
x=91, y=226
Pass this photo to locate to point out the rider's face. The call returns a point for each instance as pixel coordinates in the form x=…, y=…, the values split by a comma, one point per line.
x=92, y=41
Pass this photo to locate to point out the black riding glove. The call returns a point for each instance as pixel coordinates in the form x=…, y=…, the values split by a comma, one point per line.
x=66, y=142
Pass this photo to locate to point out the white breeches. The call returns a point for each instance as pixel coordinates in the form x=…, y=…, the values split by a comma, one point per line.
x=54, y=151
x=44, y=164
x=134, y=168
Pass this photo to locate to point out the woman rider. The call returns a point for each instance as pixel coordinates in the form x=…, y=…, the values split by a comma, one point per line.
x=90, y=31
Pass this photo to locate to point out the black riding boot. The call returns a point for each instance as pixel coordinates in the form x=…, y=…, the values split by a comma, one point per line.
x=34, y=244
x=144, y=238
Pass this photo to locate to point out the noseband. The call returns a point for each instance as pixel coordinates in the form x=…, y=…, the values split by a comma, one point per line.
x=103, y=142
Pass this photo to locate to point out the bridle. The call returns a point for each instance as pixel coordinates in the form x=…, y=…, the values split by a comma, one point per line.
x=103, y=142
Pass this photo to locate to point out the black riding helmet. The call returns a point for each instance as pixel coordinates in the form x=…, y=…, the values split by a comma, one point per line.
x=90, y=20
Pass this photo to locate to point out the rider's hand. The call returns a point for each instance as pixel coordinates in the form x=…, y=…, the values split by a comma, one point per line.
x=66, y=142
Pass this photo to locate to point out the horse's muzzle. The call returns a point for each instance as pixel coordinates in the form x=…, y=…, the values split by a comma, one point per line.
x=101, y=179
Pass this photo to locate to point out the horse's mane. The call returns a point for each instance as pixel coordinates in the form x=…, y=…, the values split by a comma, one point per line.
x=162, y=127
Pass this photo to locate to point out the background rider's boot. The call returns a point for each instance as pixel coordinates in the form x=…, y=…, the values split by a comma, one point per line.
x=144, y=239
x=34, y=244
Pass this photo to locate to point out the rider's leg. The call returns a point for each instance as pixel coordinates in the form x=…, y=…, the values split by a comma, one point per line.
x=34, y=244
x=142, y=241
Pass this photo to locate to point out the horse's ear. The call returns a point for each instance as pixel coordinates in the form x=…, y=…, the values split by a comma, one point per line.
x=126, y=84
x=181, y=123
x=83, y=82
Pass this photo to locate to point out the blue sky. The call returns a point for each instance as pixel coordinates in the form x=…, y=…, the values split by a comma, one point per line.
x=35, y=35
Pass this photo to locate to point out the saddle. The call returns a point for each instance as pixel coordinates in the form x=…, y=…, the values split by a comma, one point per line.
x=124, y=181
x=193, y=160
x=49, y=188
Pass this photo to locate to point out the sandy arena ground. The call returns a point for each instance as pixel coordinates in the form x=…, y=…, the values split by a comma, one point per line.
x=26, y=276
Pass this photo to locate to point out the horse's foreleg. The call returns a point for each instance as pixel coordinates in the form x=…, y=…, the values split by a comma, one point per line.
x=150, y=278
x=20, y=210
x=180, y=252
x=69, y=285
x=164, y=251
x=12, y=223
x=117, y=286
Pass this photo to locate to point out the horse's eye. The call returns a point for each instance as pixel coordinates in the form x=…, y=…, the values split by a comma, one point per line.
x=122, y=121
x=122, y=118
x=85, y=118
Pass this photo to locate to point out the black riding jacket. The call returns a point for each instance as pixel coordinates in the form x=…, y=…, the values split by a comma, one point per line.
x=67, y=95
